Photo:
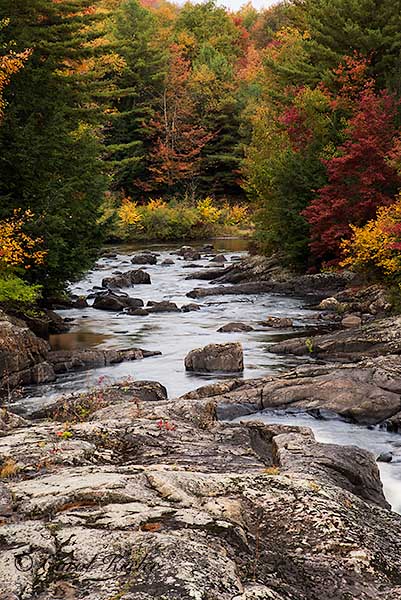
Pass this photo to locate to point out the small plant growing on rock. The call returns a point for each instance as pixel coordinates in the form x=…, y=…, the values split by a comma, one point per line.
x=65, y=434
x=8, y=469
x=309, y=345
x=166, y=425
x=272, y=471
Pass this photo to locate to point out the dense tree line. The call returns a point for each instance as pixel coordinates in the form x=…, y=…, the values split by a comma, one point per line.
x=294, y=109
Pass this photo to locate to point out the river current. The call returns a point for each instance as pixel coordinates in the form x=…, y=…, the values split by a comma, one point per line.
x=175, y=334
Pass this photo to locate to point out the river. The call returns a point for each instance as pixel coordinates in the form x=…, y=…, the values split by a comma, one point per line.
x=175, y=334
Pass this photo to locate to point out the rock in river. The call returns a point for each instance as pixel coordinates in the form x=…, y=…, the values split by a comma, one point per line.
x=145, y=258
x=191, y=307
x=234, y=328
x=137, y=276
x=116, y=303
x=73, y=360
x=219, y=258
x=367, y=392
x=163, y=306
x=351, y=321
x=277, y=322
x=226, y=358
x=381, y=336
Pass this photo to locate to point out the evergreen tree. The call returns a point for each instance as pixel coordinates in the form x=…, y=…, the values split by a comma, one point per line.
x=133, y=96
x=341, y=27
x=49, y=157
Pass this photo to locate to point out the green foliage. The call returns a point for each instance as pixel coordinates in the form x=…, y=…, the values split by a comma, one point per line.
x=14, y=290
x=135, y=92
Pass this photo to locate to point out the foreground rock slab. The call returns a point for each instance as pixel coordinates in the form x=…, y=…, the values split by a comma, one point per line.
x=226, y=358
x=158, y=500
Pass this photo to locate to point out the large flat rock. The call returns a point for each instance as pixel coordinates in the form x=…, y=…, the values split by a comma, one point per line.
x=368, y=392
x=380, y=337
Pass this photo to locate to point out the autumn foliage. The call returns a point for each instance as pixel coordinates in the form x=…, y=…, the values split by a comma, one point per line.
x=148, y=119
x=375, y=248
x=9, y=65
x=18, y=248
x=360, y=176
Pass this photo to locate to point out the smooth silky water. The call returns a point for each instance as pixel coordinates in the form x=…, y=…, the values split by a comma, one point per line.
x=175, y=334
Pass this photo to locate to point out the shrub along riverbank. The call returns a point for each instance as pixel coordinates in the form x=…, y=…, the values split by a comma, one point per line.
x=160, y=220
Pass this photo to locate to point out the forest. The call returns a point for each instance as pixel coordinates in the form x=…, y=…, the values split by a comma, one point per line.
x=122, y=119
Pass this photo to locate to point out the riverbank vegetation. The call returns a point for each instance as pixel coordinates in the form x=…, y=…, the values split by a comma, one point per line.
x=145, y=120
x=161, y=220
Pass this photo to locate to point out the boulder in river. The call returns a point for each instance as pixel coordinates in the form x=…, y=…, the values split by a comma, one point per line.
x=163, y=306
x=219, y=258
x=127, y=279
x=225, y=358
x=277, y=322
x=116, y=303
x=191, y=307
x=235, y=327
x=168, y=262
x=144, y=258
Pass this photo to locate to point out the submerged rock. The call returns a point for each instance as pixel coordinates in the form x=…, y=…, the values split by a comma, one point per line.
x=235, y=327
x=138, y=312
x=226, y=358
x=190, y=307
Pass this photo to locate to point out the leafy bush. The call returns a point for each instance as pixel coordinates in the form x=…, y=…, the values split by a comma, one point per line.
x=161, y=220
x=14, y=289
x=18, y=253
x=374, y=249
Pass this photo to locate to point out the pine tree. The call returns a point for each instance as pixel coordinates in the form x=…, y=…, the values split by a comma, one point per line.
x=49, y=156
x=132, y=98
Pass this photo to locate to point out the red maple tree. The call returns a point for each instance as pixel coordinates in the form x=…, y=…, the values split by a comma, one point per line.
x=361, y=177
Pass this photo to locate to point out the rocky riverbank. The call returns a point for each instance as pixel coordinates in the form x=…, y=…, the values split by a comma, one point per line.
x=143, y=498
x=26, y=358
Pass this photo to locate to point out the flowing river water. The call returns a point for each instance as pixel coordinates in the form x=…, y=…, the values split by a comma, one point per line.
x=175, y=334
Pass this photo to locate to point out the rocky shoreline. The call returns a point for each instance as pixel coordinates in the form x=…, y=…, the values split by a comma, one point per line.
x=122, y=493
